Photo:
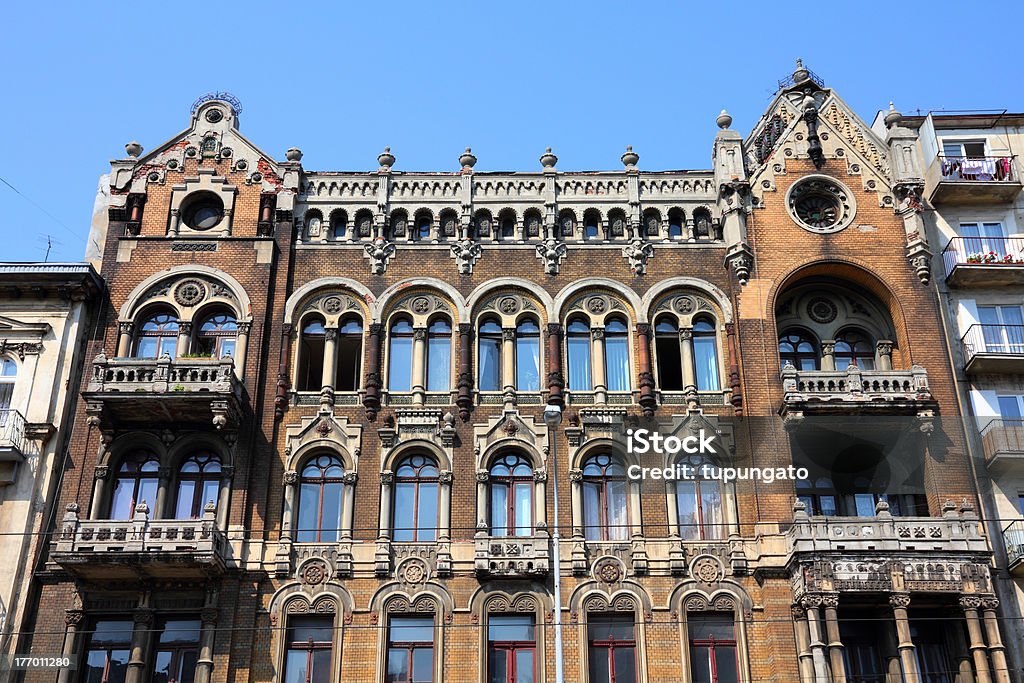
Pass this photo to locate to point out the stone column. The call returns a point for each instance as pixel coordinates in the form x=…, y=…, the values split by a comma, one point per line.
x=387, y=480
x=576, y=483
x=828, y=355
x=883, y=352
x=908, y=653
x=124, y=339
x=540, y=508
x=72, y=621
x=371, y=399
x=996, y=649
x=330, y=364
x=99, y=491
x=227, y=473
x=242, y=348
x=184, y=339
x=204, y=664
x=812, y=603
x=556, y=378
x=141, y=638
x=483, y=525
x=419, y=368
x=970, y=605
x=647, y=400
x=686, y=353
x=597, y=374
x=162, y=494
x=803, y=644
x=291, y=478
x=835, y=645
x=508, y=366
x=444, y=516
x=175, y=226
x=283, y=372
x=464, y=399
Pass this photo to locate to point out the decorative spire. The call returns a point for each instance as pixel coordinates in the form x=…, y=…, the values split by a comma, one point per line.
x=724, y=120
x=467, y=160
x=801, y=74
x=386, y=159
x=133, y=149
x=547, y=159
x=630, y=157
x=892, y=117
x=293, y=154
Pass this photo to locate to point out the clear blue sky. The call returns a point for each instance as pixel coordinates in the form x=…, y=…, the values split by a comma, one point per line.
x=340, y=81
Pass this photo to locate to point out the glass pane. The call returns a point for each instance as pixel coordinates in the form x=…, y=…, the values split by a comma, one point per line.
x=350, y=349
x=711, y=509
x=708, y=625
x=118, y=662
x=617, y=511
x=617, y=627
x=405, y=497
x=422, y=664
x=506, y=628
x=186, y=496
x=180, y=631
x=398, y=668
x=616, y=350
x=400, y=364
x=1009, y=407
x=167, y=346
x=490, y=364
x=528, y=364
x=304, y=629
x=412, y=630
x=162, y=668
x=146, y=347
x=700, y=662
x=579, y=363
x=116, y=632
x=210, y=493
x=321, y=666
x=828, y=506
x=427, y=513
x=705, y=360
x=309, y=511
x=686, y=504
x=670, y=367
x=725, y=664
x=524, y=509
x=438, y=363
x=499, y=509
x=121, y=503
x=865, y=504
x=599, y=664
x=524, y=666
x=147, y=494
x=624, y=659
x=331, y=520
x=592, y=511
x=497, y=666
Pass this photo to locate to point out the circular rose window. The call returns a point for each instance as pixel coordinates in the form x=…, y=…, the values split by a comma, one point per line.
x=820, y=204
x=202, y=211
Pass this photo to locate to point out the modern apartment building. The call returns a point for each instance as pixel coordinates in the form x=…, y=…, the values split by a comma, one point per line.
x=372, y=426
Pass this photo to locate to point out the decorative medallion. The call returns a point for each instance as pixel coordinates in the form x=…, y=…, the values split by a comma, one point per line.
x=508, y=305
x=820, y=204
x=314, y=573
x=706, y=569
x=413, y=571
x=214, y=115
x=821, y=310
x=608, y=571
x=421, y=305
x=684, y=305
x=597, y=305
x=332, y=304
x=190, y=292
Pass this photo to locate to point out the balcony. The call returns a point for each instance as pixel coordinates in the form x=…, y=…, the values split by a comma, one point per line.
x=854, y=391
x=984, y=261
x=127, y=392
x=508, y=557
x=12, y=444
x=121, y=550
x=1013, y=538
x=1003, y=442
x=974, y=180
x=994, y=349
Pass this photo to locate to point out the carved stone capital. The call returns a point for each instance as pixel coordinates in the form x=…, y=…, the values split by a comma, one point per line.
x=291, y=477
x=445, y=477
x=990, y=603
x=540, y=475
x=101, y=472
x=482, y=476
x=73, y=617
x=387, y=477
x=900, y=600
x=968, y=602
x=576, y=475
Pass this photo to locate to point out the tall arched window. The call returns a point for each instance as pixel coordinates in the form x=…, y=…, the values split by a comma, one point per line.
x=422, y=230
x=157, y=336
x=439, y=355
x=577, y=341
x=854, y=347
x=616, y=355
x=311, y=354
x=712, y=637
x=349, y=353
x=400, y=355
x=416, y=498
x=705, y=355
x=508, y=227
x=489, y=355
x=800, y=349
x=339, y=224
x=8, y=373
x=321, y=496
x=675, y=224
x=591, y=226
x=511, y=496
x=217, y=335
x=527, y=355
x=137, y=481
x=670, y=362
x=198, y=484
x=605, y=499
x=699, y=506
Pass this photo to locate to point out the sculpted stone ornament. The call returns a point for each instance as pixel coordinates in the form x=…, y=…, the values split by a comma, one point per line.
x=637, y=252
x=741, y=260
x=379, y=252
x=551, y=252
x=466, y=252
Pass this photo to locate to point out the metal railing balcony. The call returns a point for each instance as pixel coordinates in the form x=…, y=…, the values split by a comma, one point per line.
x=1002, y=440
x=984, y=261
x=12, y=431
x=1013, y=538
x=976, y=169
x=993, y=348
x=962, y=179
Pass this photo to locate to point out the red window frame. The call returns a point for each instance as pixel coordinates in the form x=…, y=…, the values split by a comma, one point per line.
x=610, y=645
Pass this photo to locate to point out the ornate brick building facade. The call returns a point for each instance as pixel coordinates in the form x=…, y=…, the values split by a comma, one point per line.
x=319, y=439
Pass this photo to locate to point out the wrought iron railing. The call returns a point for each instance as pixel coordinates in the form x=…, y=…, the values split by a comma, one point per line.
x=994, y=251
x=12, y=429
x=1003, y=436
x=1013, y=538
x=999, y=339
x=977, y=169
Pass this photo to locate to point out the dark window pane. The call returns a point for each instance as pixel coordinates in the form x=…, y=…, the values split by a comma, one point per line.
x=510, y=628
x=398, y=666
x=304, y=629
x=497, y=666
x=707, y=625
x=412, y=630
x=524, y=666
x=422, y=664
x=624, y=659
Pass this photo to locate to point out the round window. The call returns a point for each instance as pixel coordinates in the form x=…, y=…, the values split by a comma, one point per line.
x=820, y=204
x=203, y=211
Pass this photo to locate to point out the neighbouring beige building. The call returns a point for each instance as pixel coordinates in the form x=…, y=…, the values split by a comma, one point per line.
x=45, y=313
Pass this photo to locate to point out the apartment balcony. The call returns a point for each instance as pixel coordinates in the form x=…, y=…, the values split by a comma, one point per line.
x=127, y=392
x=979, y=180
x=508, y=557
x=984, y=261
x=1003, y=442
x=121, y=550
x=1013, y=538
x=855, y=392
x=12, y=445
x=994, y=349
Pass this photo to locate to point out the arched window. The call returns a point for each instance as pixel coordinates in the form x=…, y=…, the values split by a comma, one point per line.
x=400, y=355
x=527, y=355
x=198, y=484
x=350, y=354
x=712, y=638
x=705, y=355
x=311, y=354
x=307, y=656
x=699, y=506
x=702, y=226
x=675, y=224
x=416, y=497
x=422, y=229
x=157, y=336
x=439, y=355
x=577, y=341
x=339, y=224
x=820, y=497
x=605, y=499
x=137, y=481
x=321, y=495
x=616, y=355
x=591, y=226
x=489, y=355
x=314, y=223
x=854, y=347
x=8, y=373
x=511, y=496
x=508, y=227
x=217, y=336
x=800, y=349
x=611, y=647
x=670, y=362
